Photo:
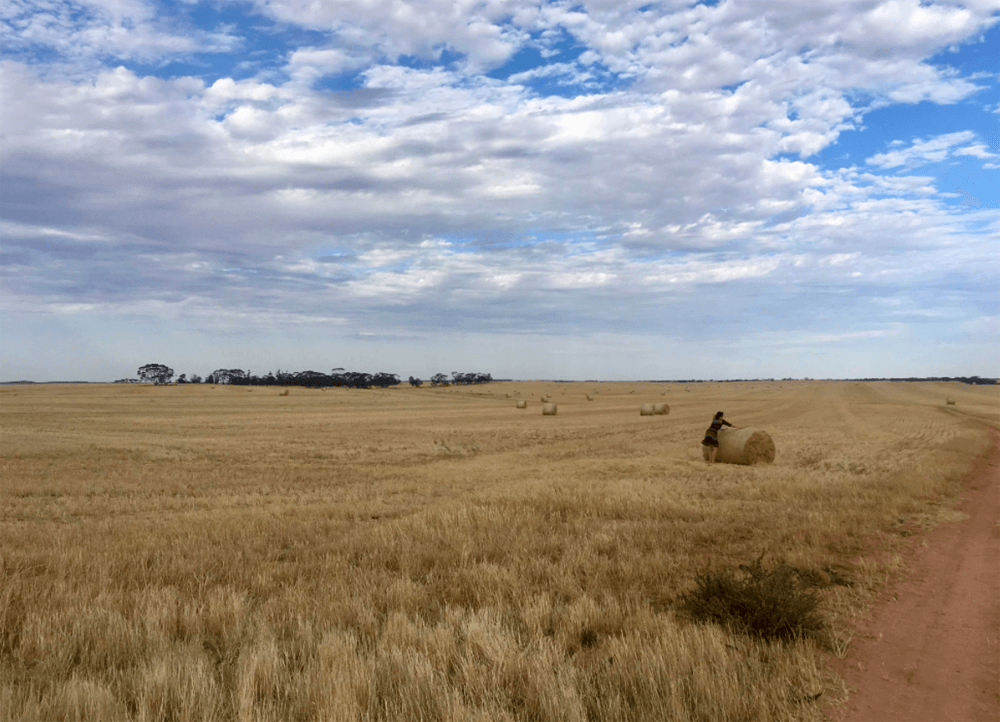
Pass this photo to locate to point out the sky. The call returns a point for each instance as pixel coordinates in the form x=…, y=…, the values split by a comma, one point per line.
x=604, y=189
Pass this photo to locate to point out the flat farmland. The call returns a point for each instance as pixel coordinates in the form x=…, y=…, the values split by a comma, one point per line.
x=227, y=553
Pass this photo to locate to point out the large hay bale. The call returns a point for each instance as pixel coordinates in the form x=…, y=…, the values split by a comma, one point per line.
x=661, y=409
x=549, y=409
x=951, y=402
x=647, y=410
x=522, y=404
x=743, y=446
x=589, y=397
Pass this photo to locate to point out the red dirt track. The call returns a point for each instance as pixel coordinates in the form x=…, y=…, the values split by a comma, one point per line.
x=932, y=653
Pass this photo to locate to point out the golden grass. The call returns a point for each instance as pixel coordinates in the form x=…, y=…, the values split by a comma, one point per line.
x=184, y=553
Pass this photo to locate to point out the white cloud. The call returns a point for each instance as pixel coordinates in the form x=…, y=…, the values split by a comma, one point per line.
x=439, y=192
x=92, y=29
x=921, y=152
x=976, y=151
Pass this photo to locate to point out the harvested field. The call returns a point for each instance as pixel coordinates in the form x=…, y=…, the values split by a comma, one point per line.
x=210, y=554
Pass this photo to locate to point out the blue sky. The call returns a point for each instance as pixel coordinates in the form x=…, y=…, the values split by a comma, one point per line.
x=601, y=189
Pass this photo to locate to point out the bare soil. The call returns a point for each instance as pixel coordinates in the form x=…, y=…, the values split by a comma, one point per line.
x=932, y=650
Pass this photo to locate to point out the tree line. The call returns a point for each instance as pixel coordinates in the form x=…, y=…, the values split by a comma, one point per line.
x=162, y=374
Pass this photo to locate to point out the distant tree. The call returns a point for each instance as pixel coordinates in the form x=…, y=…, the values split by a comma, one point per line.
x=358, y=380
x=155, y=374
x=384, y=379
x=458, y=377
x=415, y=382
x=195, y=379
x=439, y=380
x=313, y=379
x=231, y=376
x=182, y=379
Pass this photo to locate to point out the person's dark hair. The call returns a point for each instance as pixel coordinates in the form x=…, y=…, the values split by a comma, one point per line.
x=718, y=414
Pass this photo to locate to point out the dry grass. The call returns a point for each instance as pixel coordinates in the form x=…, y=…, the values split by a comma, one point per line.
x=184, y=553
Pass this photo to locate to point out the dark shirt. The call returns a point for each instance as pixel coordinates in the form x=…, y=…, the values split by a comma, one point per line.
x=713, y=430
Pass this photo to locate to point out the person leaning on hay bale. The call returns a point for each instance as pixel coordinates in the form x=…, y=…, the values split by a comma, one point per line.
x=711, y=439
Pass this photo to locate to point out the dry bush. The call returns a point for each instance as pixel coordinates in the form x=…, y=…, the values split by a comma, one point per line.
x=776, y=603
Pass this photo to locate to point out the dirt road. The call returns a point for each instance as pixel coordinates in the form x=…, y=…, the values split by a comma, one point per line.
x=932, y=652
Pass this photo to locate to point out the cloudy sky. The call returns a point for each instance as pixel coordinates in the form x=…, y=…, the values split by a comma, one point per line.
x=608, y=189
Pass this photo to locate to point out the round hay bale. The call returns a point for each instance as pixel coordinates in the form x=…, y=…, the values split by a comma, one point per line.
x=647, y=410
x=589, y=397
x=951, y=402
x=743, y=446
x=661, y=409
x=522, y=404
x=284, y=393
x=506, y=396
x=549, y=409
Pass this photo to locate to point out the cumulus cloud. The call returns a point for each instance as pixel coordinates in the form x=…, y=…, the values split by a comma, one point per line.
x=652, y=153
x=921, y=152
x=82, y=30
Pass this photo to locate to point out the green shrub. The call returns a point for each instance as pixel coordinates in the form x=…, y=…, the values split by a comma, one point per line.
x=770, y=603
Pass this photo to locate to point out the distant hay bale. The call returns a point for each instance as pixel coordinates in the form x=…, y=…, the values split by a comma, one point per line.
x=549, y=409
x=663, y=393
x=661, y=409
x=506, y=396
x=743, y=446
x=522, y=404
x=284, y=393
x=647, y=410
x=589, y=397
x=951, y=401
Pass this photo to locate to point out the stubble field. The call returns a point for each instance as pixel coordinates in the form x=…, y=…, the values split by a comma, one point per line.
x=199, y=553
